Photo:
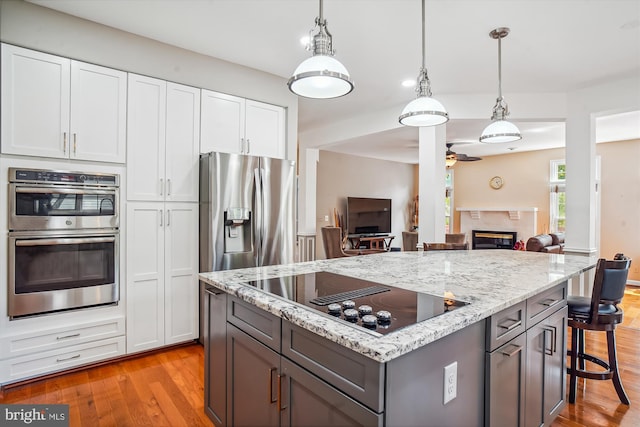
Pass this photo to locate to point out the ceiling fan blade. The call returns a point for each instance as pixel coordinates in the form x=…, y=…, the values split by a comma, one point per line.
x=465, y=158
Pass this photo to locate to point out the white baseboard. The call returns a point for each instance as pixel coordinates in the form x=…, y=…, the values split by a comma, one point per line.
x=633, y=282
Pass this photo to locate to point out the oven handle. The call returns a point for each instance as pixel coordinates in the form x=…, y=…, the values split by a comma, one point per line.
x=56, y=190
x=64, y=241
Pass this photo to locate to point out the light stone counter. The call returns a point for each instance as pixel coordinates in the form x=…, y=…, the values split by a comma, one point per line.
x=490, y=280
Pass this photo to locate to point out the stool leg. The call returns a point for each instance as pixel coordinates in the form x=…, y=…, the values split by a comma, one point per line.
x=613, y=366
x=572, y=369
x=581, y=348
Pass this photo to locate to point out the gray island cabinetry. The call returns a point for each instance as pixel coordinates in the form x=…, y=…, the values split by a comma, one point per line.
x=496, y=361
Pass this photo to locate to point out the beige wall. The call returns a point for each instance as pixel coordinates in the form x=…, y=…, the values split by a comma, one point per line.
x=526, y=177
x=526, y=183
x=342, y=175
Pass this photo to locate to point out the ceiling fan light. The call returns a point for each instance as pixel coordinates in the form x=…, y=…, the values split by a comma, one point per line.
x=450, y=160
x=320, y=77
x=424, y=111
x=500, y=131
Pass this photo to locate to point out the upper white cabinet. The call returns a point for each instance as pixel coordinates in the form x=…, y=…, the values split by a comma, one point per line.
x=163, y=134
x=61, y=108
x=236, y=125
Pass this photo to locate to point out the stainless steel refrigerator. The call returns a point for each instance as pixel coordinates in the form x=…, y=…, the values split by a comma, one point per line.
x=247, y=215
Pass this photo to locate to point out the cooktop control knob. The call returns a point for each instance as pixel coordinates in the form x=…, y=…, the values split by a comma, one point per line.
x=369, y=321
x=364, y=310
x=383, y=316
x=351, y=315
x=348, y=304
x=334, y=309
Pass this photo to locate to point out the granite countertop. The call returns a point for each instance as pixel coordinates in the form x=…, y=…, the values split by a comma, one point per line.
x=490, y=280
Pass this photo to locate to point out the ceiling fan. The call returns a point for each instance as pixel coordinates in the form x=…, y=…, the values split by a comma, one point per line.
x=453, y=157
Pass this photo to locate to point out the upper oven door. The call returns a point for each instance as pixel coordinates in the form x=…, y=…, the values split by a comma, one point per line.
x=42, y=207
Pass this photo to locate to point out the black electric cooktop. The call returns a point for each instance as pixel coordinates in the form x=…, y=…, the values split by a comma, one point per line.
x=362, y=303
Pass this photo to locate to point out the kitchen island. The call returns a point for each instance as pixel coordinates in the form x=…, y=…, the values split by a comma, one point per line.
x=363, y=377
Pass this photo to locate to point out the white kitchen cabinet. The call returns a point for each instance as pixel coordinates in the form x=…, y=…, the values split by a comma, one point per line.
x=163, y=133
x=61, y=108
x=162, y=268
x=231, y=124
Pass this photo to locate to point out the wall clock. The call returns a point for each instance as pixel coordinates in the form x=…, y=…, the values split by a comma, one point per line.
x=496, y=182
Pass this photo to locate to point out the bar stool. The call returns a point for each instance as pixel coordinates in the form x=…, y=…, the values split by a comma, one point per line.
x=598, y=313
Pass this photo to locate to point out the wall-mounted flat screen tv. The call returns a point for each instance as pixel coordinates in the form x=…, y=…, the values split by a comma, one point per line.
x=367, y=216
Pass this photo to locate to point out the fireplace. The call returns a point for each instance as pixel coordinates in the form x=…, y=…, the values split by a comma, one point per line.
x=483, y=239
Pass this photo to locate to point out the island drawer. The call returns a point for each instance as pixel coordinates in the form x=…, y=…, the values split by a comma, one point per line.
x=505, y=325
x=261, y=325
x=354, y=374
x=546, y=303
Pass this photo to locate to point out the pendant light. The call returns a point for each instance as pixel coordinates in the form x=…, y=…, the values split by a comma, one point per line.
x=500, y=130
x=321, y=76
x=424, y=110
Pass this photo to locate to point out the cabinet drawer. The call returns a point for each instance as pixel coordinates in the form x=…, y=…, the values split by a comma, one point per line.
x=37, y=342
x=20, y=368
x=261, y=325
x=503, y=326
x=546, y=303
x=352, y=373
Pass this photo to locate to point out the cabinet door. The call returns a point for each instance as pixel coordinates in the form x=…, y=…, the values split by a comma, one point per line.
x=309, y=401
x=222, y=123
x=35, y=103
x=145, y=276
x=182, y=143
x=546, y=369
x=505, y=388
x=181, y=271
x=146, y=120
x=264, y=130
x=98, y=113
x=252, y=381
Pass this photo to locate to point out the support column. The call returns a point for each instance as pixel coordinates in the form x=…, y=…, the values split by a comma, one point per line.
x=431, y=181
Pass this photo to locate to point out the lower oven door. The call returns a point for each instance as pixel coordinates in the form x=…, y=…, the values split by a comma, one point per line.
x=51, y=273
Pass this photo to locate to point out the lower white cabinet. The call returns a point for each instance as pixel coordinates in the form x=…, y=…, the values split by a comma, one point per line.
x=161, y=271
x=46, y=350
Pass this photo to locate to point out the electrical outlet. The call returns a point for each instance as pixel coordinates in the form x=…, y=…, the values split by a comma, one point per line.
x=326, y=218
x=450, y=382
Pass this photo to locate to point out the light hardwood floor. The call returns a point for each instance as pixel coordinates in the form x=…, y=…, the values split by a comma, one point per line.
x=166, y=388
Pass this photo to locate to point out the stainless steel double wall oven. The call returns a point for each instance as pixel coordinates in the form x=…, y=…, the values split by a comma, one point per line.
x=63, y=240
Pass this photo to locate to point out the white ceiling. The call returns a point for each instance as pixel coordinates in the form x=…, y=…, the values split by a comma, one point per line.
x=555, y=46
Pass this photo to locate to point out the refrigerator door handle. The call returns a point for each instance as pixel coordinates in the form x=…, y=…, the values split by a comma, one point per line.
x=259, y=215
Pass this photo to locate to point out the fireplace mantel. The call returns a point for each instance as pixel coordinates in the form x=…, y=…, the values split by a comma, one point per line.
x=514, y=213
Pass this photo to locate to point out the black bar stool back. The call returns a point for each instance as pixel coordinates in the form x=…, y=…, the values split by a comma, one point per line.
x=598, y=313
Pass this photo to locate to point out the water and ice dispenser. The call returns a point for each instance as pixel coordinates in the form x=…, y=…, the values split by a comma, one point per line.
x=237, y=230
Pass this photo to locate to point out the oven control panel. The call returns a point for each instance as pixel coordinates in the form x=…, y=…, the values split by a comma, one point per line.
x=35, y=176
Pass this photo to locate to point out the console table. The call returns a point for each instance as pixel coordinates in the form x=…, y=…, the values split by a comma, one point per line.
x=374, y=242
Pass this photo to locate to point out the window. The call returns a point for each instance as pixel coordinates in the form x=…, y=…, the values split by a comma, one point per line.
x=557, y=207
x=448, y=202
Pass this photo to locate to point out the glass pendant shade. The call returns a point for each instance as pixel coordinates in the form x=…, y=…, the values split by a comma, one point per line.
x=321, y=77
x=424, y=111
x=500, y=131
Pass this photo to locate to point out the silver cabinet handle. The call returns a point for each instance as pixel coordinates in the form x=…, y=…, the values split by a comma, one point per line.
x=161, y=215
x=271, y=377
x=64, y=142
x=168, y=217
x=77, y=356
x=513, y=352
x=515, y=324
x=248, y=145
x=168, y=186
x=161, y=186
x=241, y=145
x=75, y=143
x=68, y=336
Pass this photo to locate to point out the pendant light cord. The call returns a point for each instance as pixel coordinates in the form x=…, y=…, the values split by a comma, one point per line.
x=424, y=50
x=500, y=67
